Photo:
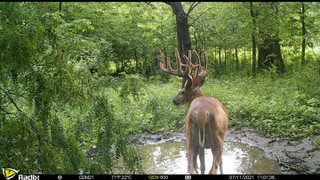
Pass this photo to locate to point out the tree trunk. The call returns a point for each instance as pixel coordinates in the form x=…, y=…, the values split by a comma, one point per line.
x=270, y=54
x=269, y=50
x=232, y=59
x=60, y=6
x=303, y=33
x=225, y=61
x=216, y=61
x=244, y=57
x=184, y=43
x=220, y=64
x=237, y=60
x=253, y=40
x=215, y=55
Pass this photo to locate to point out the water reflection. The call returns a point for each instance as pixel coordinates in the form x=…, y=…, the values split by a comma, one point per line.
x=170, y=158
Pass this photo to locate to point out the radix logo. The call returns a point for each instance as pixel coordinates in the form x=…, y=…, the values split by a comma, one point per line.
x=9, y=173
x=28, y=177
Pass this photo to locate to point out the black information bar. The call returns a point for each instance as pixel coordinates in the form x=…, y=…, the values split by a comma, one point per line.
x=157, y=177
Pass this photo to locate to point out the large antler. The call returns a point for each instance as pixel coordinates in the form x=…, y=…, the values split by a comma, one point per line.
x=189, y=67
x=202, y=76
x=179, y=72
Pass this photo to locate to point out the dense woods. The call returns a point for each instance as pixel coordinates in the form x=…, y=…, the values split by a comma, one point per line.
x=78, y=80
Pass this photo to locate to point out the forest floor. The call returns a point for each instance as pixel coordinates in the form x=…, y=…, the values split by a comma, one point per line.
x=294, y=157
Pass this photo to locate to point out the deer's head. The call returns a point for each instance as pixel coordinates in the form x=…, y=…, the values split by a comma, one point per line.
x=193, y=76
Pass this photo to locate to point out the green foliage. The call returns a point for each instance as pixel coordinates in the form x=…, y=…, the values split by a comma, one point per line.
x=273, y=105
x=284, y=106
x=76, y=85
x=111, y=133
x=132, y=85
x=147, y=108
x=54, y=115
x=19, y=39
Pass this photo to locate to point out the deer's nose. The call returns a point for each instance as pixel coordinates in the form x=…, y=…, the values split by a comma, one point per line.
x=174, y=102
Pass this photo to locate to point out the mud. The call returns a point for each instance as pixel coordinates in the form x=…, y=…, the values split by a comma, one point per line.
x=294, y=157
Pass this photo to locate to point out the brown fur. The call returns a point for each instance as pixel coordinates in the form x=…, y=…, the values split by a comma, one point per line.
x=210, y=115
x=207, y=119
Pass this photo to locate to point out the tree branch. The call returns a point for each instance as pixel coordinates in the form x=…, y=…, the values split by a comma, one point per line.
x=192, y=6
x=7, y=112
x=194, y=20
x=11, y=99
x=201, y=24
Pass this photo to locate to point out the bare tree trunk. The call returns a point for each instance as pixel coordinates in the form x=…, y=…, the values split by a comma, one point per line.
x=303, y=33
x=184, y=43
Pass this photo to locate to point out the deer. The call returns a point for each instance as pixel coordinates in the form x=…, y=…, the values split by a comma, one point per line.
x=207, y=119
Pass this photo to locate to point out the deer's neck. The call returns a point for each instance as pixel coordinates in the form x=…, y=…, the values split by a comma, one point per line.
x=197, y=93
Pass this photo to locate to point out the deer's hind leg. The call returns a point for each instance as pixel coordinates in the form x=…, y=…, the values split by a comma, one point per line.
x=216, y=148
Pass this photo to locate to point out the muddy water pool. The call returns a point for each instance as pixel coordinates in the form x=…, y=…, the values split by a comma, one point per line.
x=238, y=158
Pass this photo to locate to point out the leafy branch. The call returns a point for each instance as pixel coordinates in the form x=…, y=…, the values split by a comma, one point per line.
x=11, y=99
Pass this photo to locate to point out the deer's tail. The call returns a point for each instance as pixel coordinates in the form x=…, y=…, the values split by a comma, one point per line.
x=202, y=117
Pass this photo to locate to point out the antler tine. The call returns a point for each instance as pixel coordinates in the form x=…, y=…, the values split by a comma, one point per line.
x=189, y=75
x=179, y=72
x=168, y=68
x=197, y=57
x=204, y=67
x=162, y=66
x=189, y=65
x=188, y=61
x=196, y=67
x=201, y=71
x=198, y=63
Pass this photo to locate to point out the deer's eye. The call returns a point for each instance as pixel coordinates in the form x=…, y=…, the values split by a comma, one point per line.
x=182, y=92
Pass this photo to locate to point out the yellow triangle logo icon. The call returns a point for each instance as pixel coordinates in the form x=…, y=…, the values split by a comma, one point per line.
x=9, y=173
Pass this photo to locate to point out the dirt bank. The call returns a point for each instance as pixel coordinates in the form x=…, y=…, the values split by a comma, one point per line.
x=294, y=157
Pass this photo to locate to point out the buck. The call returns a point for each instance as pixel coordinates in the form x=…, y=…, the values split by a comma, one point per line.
x=207, y=119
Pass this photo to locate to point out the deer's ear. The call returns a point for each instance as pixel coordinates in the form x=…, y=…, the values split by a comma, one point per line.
x=195, y=81
x=202, y=78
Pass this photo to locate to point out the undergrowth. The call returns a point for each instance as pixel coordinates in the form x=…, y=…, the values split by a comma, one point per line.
x=280, y=106
x=277, y=107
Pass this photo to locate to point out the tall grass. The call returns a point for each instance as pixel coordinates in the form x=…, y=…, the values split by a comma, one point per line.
x=280, y=106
